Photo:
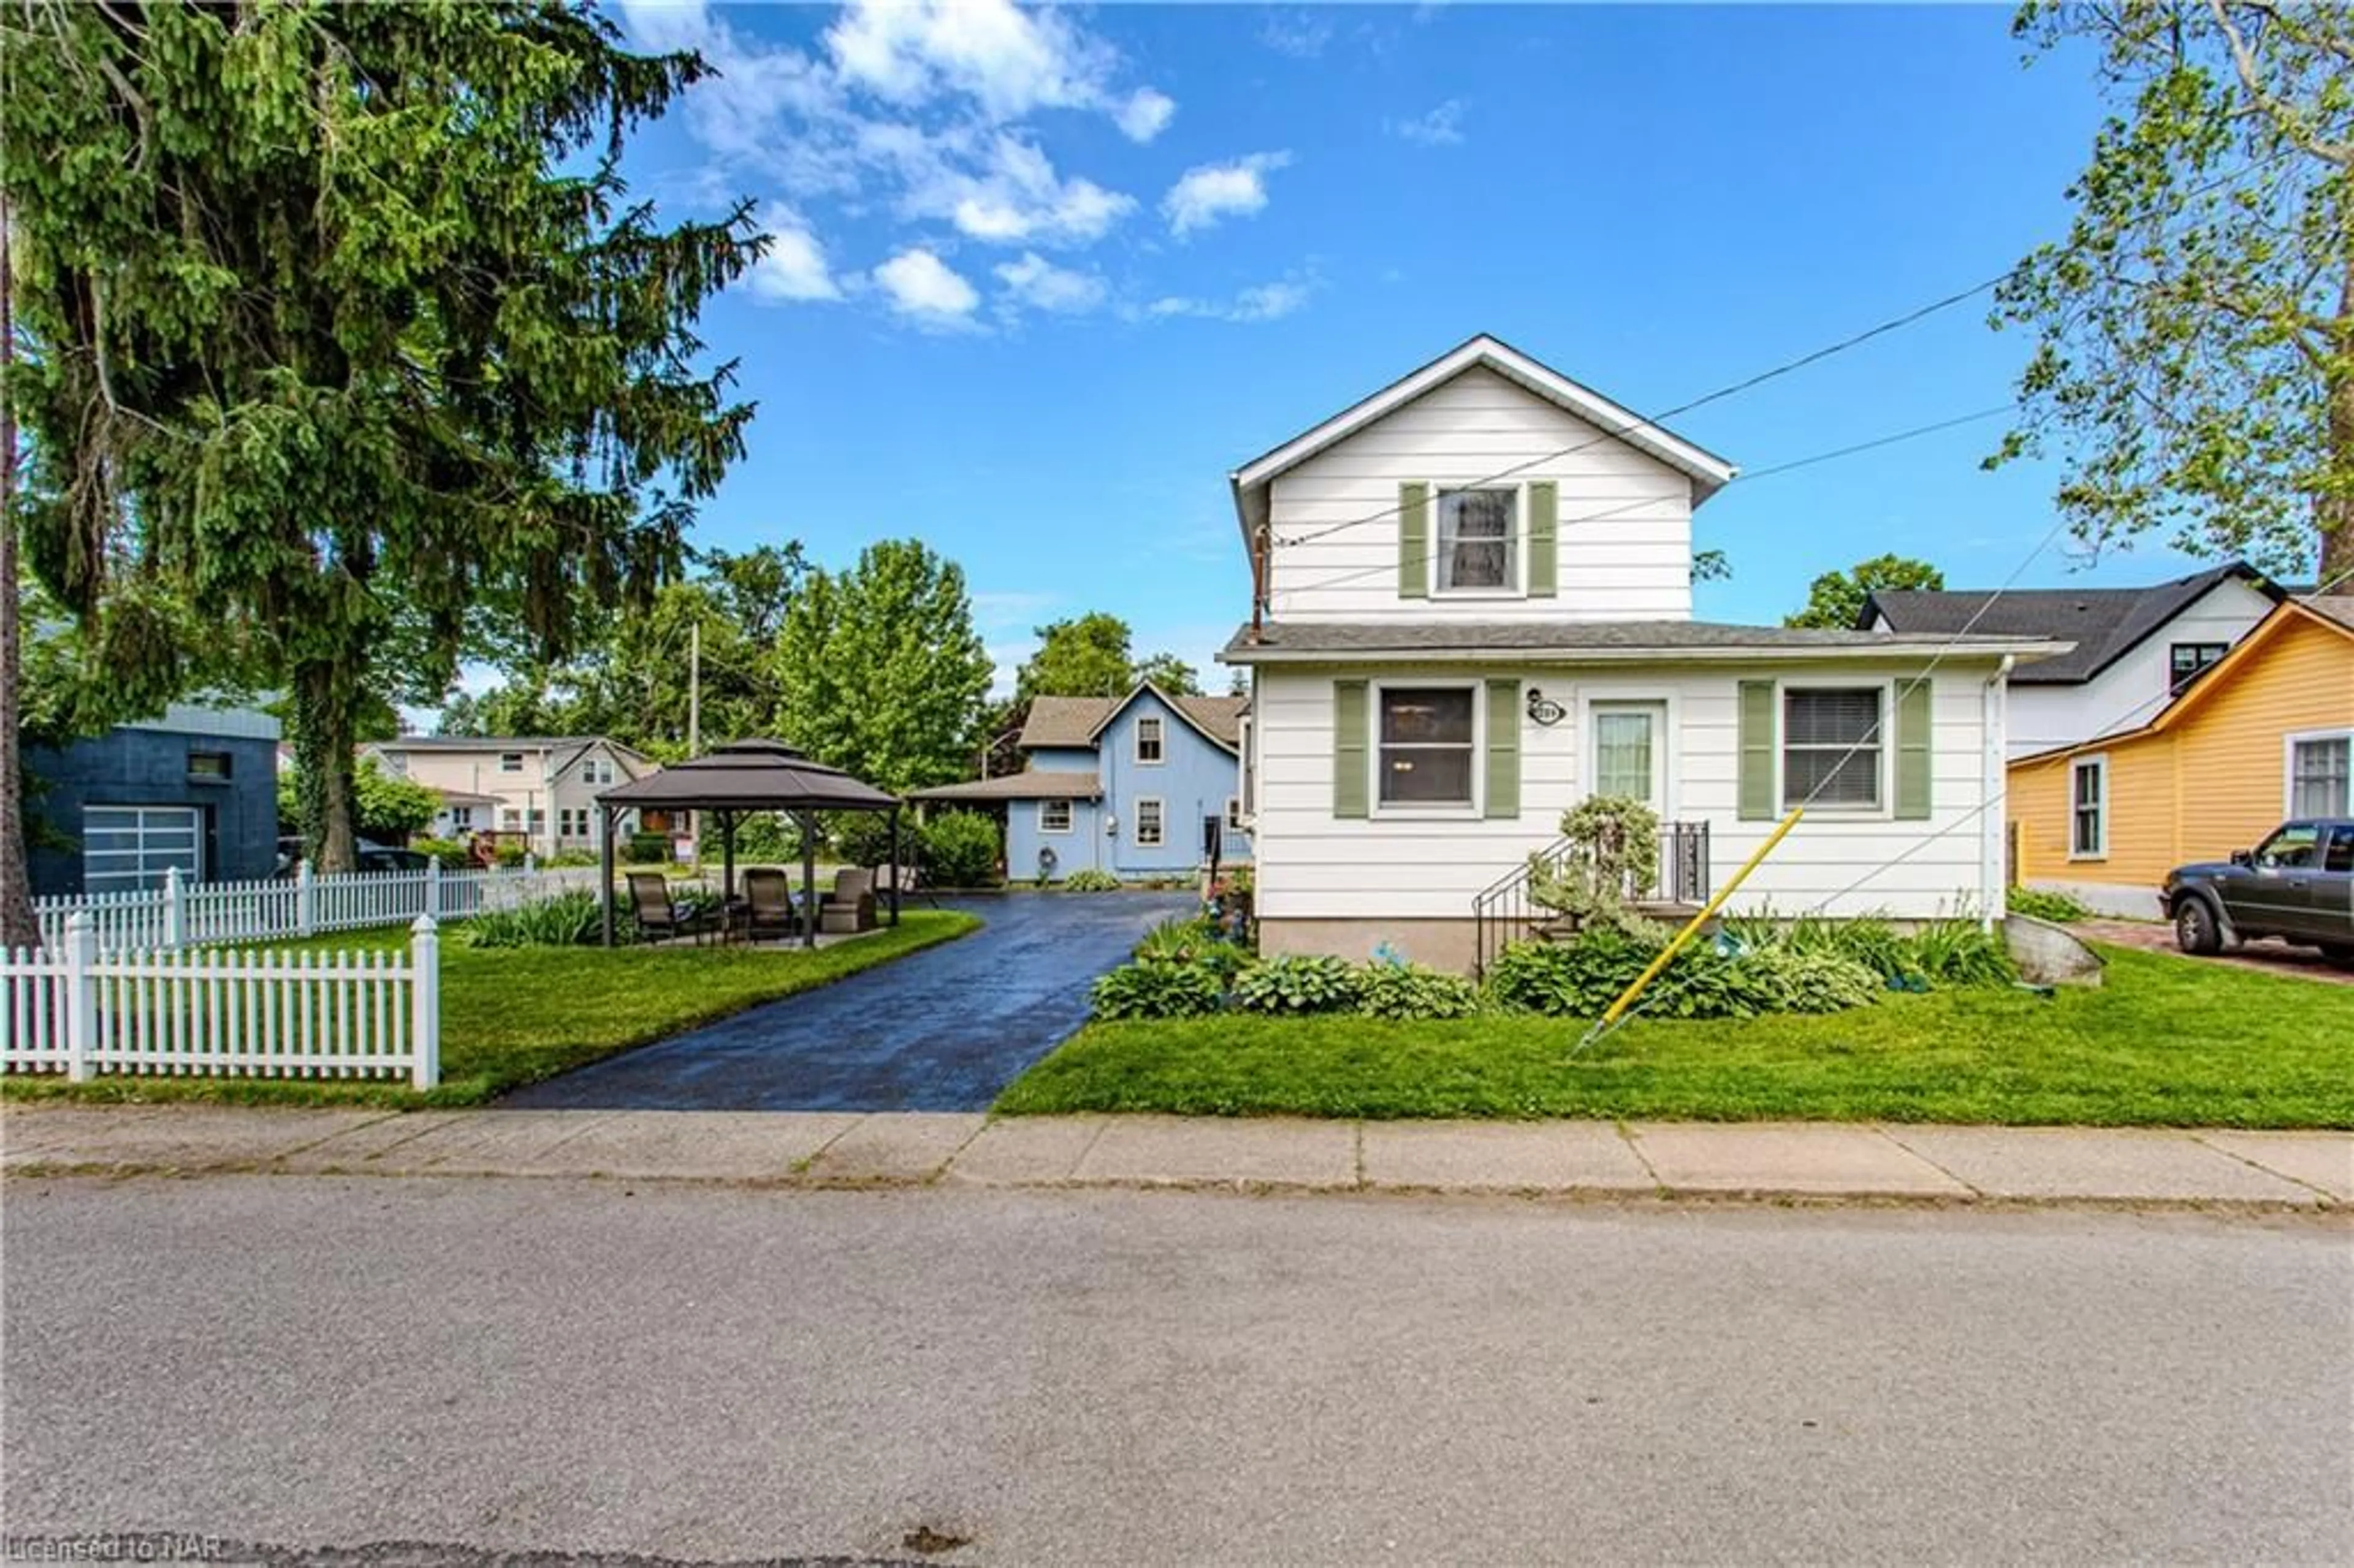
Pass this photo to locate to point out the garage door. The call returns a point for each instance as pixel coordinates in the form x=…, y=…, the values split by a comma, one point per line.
x=129, y=847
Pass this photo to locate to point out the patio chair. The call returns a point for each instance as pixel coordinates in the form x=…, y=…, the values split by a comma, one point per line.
x=768, y=908
x=911, y=884
x=657, y=914
x=850, y=908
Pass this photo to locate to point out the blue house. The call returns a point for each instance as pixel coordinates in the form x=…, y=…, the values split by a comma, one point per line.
x=194, y=789
x=1139, y=786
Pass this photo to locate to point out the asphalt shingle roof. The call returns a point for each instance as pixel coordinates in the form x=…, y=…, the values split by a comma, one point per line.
x=2103, y=624
x=1073, y=721
x=1032, y=786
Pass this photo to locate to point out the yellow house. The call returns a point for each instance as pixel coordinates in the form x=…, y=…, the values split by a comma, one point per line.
x=2263, y=735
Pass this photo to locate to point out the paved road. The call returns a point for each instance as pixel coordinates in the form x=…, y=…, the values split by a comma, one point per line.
x=726, y=1374
x=943, y=1030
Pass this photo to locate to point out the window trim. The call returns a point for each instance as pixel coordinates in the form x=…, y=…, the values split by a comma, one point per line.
x=1884, y=743
x=1234, y=822
x=1516, y=537
x=2178, y=682
x=1160, y=824
x=1160, y=740
x=510, y=761
x=1446, y=810
x=227, y=773
x=1070, y=818
x=2289, y=743
x=2096, y=762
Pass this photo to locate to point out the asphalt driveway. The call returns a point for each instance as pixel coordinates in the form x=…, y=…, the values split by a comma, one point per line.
x=944, y=1029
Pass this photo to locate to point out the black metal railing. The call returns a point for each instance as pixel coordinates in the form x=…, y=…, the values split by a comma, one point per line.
x=1505, y=913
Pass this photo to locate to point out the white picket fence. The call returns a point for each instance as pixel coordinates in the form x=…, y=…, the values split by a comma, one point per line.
x=75, y=1009
x=185, y=915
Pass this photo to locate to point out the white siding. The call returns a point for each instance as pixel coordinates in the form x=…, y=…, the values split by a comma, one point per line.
x=1312, y=865
x=1634, y=564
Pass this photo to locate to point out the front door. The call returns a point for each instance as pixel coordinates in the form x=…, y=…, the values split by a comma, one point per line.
x=1629, y=752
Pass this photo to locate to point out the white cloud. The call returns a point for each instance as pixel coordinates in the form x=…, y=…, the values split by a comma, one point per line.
x=1260, y=303
x=667, y=24
x=1442, y=127
x=1001, y=188
x=795, y=267
x=923, y=287
x=1210, y=193
x=1146, y=114
x=1302, y=34
x=1039, y=284
x=1009, y=59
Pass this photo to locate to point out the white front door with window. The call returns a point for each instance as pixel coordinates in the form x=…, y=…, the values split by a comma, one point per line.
x=1627, y=752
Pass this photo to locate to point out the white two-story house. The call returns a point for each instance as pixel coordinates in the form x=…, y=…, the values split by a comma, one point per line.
x=2136, y=648
x=1475, y=611
x=543, y=787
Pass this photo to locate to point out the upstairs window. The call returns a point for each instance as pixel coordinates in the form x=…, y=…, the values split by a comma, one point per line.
x=510, y=761
x=1477, y=540
x=1831, y=747
x=1147, y=739
x=212, y=767
x=2186, y=662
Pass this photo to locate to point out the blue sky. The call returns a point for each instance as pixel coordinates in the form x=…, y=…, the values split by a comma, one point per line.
x=1043, y=277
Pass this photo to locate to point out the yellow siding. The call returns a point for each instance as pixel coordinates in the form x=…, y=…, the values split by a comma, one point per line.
x=2208, y=783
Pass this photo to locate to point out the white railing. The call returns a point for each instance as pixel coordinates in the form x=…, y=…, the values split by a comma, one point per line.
x=182, y=913
x=73, y=1008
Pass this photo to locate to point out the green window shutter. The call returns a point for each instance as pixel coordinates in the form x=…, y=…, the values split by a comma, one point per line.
x=1757, y=742
x=1545, y=539
x=1414, y=541
x=1351, y=774
x=1912, y=725
x=1503, y=749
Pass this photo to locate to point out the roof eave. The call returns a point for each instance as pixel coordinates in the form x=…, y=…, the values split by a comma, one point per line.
x=2023, y=650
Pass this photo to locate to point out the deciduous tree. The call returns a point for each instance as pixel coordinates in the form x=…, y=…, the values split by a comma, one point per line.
x=2194, y=361
x=341, y=330
x=1836, y=599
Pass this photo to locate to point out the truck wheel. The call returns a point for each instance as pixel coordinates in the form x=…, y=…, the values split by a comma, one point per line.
x=2195, y=931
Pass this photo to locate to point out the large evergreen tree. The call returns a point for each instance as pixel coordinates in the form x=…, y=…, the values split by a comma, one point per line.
x=341, y=334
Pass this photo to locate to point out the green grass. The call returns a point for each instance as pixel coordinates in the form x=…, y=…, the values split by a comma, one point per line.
x=512, y=1016
x=2166, y=1042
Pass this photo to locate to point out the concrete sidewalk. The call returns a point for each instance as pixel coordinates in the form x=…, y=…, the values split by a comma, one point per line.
x=1671, y=1159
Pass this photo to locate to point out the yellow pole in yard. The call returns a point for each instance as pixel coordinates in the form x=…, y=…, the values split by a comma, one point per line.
x=1666, y=954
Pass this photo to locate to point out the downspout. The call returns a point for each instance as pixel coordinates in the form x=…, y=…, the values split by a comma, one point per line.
x=1994, y=788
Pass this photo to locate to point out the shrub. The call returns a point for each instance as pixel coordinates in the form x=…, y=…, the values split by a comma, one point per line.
x=1569, y=980
x=571, y=857
x=510, y=853
x=649, y=849
x=960, y=850
x=863, y=838
x=1087, y=879
x=2040, y=904
x=1158, y=991
x=1960, y=952
x=1728, y=979
x=1408, y=991
x=565, y=920
x=1614, y=849
x=1198, y=942
x=1297, y=983
x=449, y=855
x=768, y=838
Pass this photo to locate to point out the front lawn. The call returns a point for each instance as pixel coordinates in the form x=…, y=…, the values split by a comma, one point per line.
x=512, y=1016
x=2166, y=1042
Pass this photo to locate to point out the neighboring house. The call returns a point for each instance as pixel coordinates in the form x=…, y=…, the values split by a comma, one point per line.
x=1477, y=595
x=194, y=790
x=1134, y=786
x=2264, y=736
x=544, y=787
x=2135, y=649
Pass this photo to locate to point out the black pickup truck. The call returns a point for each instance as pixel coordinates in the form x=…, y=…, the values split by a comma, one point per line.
x=2299, y=885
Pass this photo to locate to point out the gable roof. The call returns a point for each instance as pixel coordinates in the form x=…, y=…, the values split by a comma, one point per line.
x=2334, y=615
x=1708, y=472
x=2105, y=624
x=1076, y=722
x=577, y=746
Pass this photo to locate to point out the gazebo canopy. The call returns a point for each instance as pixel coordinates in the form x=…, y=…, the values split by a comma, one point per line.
x=751, y=776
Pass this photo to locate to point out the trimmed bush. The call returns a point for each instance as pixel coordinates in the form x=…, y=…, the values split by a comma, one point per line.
x=649, y=849
x=1298, y=983
x=960, y=850
x=451, y=854
x=1087, y=879
x=1158, y=991
x=1408, y=991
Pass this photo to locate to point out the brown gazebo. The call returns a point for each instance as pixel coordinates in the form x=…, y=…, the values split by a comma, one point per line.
x=752, y=776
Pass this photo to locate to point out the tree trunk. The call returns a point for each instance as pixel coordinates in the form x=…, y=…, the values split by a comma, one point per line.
x=324, y=726
x=18, y=926
x=2333, y=515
